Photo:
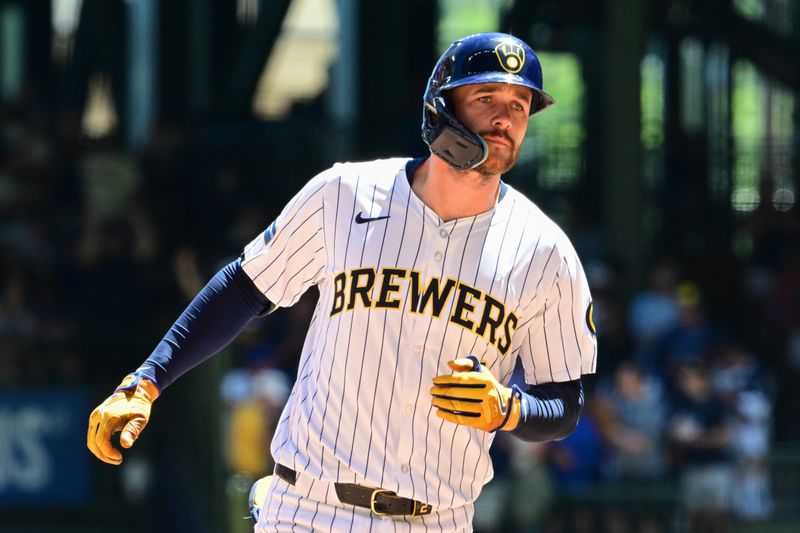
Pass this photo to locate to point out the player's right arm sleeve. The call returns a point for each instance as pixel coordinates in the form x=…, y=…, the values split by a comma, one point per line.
x=218, y=313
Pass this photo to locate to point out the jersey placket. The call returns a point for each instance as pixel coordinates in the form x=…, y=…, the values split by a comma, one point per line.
x=414, y=363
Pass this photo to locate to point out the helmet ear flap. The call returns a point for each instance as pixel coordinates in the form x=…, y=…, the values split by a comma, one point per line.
x=450, y=139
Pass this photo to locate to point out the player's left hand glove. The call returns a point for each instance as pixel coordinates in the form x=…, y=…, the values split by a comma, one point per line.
x=126, y=410
x=472, y=396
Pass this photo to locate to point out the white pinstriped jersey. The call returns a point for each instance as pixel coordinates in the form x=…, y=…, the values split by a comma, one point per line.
x=402, y=293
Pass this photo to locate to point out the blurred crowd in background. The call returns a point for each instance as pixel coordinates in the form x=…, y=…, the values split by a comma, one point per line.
x=698, y=371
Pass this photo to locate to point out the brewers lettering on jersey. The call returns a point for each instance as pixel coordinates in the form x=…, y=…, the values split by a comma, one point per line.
x=435, y=279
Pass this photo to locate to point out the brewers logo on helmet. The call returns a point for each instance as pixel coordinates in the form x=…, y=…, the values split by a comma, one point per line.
x=511, y=56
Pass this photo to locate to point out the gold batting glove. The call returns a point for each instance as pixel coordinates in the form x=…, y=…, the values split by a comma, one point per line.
x=472, y=396
x=126, y=410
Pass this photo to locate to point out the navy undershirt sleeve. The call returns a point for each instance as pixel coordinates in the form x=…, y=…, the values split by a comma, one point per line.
x=549, y=411
x=218, y=313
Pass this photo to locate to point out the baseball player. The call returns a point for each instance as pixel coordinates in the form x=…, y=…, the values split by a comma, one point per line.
x=435, y=277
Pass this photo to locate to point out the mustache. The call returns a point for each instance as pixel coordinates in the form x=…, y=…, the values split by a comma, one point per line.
x=497, y=133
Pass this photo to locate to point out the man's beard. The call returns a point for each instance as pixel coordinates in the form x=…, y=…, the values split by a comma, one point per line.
x=500, y=158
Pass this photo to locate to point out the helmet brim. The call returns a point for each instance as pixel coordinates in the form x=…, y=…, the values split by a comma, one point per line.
x=545, y=99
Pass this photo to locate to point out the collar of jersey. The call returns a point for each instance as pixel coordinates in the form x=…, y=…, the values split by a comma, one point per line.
x=413, y=164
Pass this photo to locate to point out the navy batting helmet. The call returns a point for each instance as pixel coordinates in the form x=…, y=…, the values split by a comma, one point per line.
x=479, y=58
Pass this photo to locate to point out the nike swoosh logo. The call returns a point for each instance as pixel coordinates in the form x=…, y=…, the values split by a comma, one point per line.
x=503, y=408
x=361, y=220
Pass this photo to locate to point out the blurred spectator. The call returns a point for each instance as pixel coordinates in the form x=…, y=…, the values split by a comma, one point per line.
x=254, y=413
x=735, y=371
x=741, y=383
x=574, y=465
x=653, y=311
x=783, y=332
x=109, y=178
x=691, y=338
x=752, y=497
x=491, y=513
x=700, y=438
x=531, y=488
x=112, y=197
x=789, y=388
x=521, y=491
x=631, y=412
x=253, y=403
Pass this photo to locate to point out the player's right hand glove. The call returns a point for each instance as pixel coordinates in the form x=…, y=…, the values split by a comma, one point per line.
x=472, y=396
x=127, y=410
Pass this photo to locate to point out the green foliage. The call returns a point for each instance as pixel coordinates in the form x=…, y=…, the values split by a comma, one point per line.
x=652, y=101
x=750, y=9
x=556, y=136
x=458, y=18
x=748, y=134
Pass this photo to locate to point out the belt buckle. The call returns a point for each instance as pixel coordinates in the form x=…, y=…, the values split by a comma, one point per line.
x=420, y=510
x=372, y=500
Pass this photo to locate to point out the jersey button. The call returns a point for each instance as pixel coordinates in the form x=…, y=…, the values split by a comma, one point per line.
x=438, y=256
x=409, y=409
x=418, y=349
x=404, y=468
x=443, y=233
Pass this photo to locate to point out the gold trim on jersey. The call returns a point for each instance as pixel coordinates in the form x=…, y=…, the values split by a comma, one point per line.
x=590, y=318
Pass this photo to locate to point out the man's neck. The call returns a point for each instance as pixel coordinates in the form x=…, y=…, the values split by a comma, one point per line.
x=452, y=193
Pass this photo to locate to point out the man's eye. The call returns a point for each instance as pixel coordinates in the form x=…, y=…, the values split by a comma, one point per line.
x=484, y=99
x=518, y=107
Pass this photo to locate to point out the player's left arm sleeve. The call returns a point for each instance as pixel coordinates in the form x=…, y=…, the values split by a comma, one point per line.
x=549, y=411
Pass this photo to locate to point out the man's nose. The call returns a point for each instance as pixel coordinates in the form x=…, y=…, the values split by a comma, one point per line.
x=502, y=117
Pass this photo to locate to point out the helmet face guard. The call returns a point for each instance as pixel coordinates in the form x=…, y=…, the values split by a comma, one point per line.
x=453, y=141
x=480, y=58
